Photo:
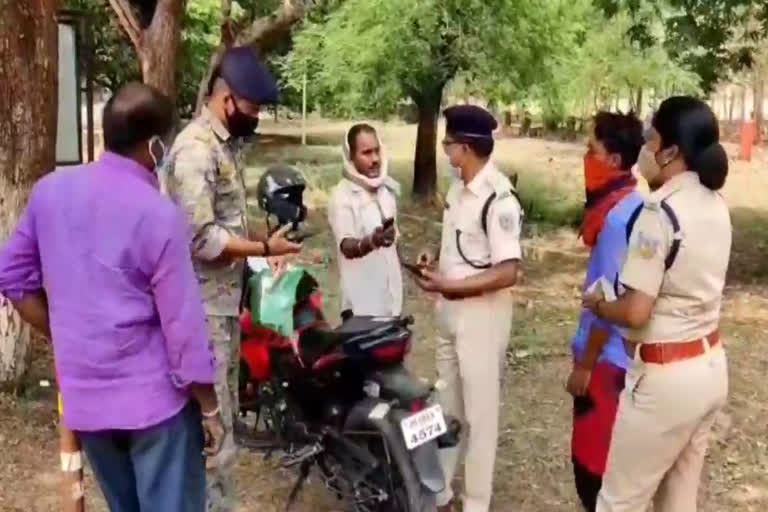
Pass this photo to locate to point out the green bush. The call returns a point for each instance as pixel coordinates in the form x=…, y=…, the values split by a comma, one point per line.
x=549, y=203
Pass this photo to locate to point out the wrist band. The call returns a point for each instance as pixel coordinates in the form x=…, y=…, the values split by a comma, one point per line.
x=211, y=414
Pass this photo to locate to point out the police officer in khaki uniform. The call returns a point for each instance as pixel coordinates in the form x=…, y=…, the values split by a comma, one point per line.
x=202, y=175
x=479, y=259
x=674, y=277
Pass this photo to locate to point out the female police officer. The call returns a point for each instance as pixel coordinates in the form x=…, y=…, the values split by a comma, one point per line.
x=674, y=276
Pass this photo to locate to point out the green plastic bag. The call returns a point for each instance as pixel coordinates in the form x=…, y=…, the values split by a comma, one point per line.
x=272, y=302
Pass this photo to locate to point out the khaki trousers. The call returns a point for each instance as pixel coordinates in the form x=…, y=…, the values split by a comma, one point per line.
x=473, y=336
x=661, y=434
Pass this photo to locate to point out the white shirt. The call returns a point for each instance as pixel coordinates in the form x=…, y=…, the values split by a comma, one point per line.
x=463, y=210
x=373, y=284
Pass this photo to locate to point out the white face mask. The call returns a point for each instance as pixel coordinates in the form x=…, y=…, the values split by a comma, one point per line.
x=647, y=165
x=158, y=160
x=454, y=172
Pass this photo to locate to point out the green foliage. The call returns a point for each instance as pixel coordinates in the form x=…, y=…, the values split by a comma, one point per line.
x=200, y=36
x=366, y=57
x=603, y=63
x=114, y=59
x=700, y=34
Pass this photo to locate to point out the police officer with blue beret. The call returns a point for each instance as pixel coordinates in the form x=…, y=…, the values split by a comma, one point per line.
x=202, y=174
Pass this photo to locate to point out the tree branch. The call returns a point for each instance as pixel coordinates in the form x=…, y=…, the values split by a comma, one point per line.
x=127, y=20
x=262, y=33
x=227, y=35
x=265, y=31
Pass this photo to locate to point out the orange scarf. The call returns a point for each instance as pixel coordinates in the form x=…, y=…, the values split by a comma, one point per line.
x=606, y=186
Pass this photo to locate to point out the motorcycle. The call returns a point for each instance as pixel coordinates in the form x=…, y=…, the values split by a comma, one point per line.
x=339, y=399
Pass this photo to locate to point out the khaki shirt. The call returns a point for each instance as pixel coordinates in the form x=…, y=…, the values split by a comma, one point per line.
x=373, y=284
x=689, y=294
x=463, y=208
x=202, y=175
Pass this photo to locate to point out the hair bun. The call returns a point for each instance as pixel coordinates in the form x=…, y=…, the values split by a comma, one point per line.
x=712, y=166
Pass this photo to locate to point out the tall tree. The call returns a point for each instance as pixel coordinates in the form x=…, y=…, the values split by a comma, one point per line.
x=28, y=107
x=193, y=33
x=699, y=33
x=154, y=28
x=600, y=66
x=366, y=57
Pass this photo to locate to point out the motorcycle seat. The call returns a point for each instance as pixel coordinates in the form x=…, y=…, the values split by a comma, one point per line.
x=356, y=331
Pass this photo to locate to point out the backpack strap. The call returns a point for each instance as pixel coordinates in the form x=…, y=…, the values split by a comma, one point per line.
x=676, y=231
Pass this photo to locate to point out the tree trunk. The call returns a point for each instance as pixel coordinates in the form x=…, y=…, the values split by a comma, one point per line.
x=731, y=104
x=639, y=103
x=758, y=98
x=743, y=101
x=159, y=47
x=425, y=160
x=157, y=44
x=28, y=108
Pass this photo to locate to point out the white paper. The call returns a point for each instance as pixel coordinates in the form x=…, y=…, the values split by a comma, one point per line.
x=602, y=287
x=379, y=412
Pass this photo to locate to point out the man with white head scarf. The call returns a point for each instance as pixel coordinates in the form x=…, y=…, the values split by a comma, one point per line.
x=362, y=212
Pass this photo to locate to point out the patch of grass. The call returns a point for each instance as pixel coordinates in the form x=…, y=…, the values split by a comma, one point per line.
x=547, y=202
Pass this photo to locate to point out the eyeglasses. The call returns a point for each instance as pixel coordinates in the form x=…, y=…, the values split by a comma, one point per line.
x=447, y=143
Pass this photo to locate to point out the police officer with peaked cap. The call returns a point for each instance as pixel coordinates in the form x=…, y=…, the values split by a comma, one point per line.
x=478, y=263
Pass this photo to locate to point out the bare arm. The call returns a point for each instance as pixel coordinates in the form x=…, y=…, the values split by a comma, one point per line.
x=598, y=337
x=501, y=275
x=633, y=309
x=33, y=309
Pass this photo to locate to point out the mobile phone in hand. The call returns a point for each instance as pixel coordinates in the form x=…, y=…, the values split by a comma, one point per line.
x=413, y=269
x=388, y=223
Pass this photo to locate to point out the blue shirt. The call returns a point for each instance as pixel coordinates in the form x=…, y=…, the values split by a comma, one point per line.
x=606, y=260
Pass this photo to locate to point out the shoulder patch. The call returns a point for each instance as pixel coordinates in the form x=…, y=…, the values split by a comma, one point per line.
x=508, y=221
x=647, y=246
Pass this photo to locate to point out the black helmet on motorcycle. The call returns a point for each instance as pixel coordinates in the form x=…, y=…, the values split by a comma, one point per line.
x=280, y=194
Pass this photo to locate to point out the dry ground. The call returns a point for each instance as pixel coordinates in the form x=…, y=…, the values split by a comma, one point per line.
x=533, y=470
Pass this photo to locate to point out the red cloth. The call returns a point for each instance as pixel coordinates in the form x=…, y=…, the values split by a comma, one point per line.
x=594, y=416
x=606, y=185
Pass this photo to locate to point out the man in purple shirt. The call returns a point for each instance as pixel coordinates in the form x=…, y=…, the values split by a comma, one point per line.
x=100, y=260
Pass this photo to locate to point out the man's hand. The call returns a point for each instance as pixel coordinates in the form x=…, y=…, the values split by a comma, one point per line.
x=278, y=244
x=578, y=381
x=379, y=237
x=389, y=234
x=214, y=432
x=431, y=282
x=279, y=264
x=426, y=258
x=591, y=302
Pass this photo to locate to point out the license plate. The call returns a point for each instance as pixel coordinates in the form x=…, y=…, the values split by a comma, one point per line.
x=423, y=427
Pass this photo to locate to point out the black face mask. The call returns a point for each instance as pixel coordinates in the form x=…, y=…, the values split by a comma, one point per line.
x=241, y=124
